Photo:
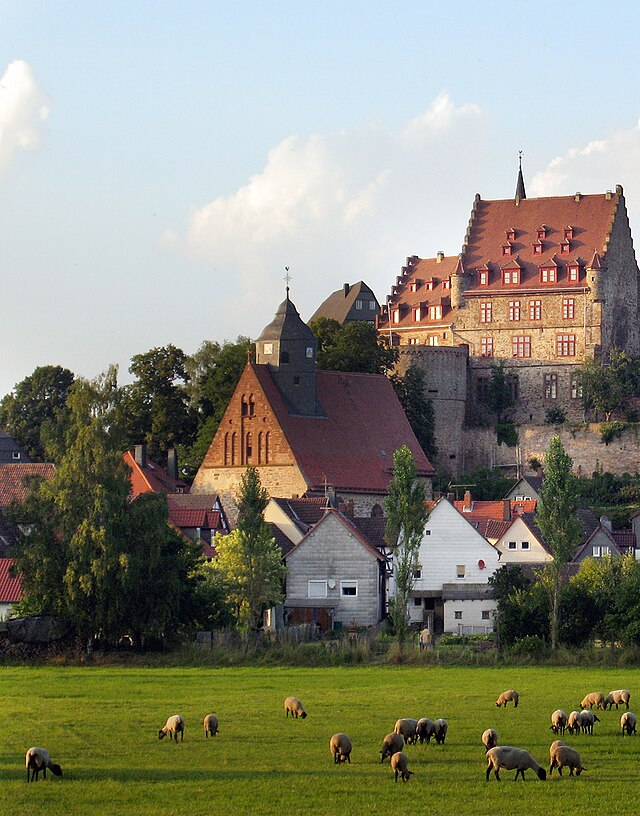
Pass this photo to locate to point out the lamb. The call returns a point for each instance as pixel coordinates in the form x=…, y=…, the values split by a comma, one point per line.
x=595, y=698
x=173, y=726
x=210, y=725
x=574, y=723
x=588, y=720
x=391, y=744
x=617, y=697
x=425, y=729
x=628, y=723
x=489, y=739
x=440, y=731
x=407, y=727
x=293, y=705
x=562, y=756
x=36, y=760
x=506, y=696
x=340, y=747
x=400, y=765
x=558, y=721
x=504, y=756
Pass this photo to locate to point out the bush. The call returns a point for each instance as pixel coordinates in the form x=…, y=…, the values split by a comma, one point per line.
x=555, y=416
x=612, y=430
x=529, y=647
x=507, y=434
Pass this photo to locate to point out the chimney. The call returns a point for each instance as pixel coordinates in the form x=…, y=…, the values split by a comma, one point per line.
x=467, y=505
x=140, y=455
x=346, y=288
x=450, y=497
x=577, y=197
x=172, y=464
x=332, y=497
x=506, y=510
x=440, y=257
x=608, y=195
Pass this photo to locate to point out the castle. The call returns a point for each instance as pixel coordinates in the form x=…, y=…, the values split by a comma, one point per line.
x=540, y=286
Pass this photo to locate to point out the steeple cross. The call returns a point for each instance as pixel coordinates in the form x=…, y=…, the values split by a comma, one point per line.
x=287, y=278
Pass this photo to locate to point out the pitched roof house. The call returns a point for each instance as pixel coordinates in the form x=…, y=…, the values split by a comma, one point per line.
x=15, y=480
x=10, y=451
x=353, y=302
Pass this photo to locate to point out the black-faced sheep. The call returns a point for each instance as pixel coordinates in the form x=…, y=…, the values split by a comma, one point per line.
x=400, y=765
x=173, y=726
x=440, y=728
x=340, y=747
x=36, y=760
x=508, y=696
x=558, y=721
x=425, y=729
x=406, y=726
x=293, y=705
x=391, y=744
x=617, y=698
x=210, y=725
x=588, y=719
x=628, y=723
x=504, y=756
x=574, y=723
x=562, y=756
x=595, y=698
x=489, y=739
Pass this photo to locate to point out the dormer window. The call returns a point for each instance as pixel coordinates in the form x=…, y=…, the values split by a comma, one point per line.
x=548, y=274
x=565, y=247
x=417, y=314
x=541, y=232
x=510, y=277
x=446, y=284
x=483, y=276
x=431, y=284
x=567, y=233
x=268, y=348
x=506, y=249
x=395, y=315
x=309, y=352
x=414, y=286
x=511, y=234
x=537, y=248
x=573, y=273
x=435, y=312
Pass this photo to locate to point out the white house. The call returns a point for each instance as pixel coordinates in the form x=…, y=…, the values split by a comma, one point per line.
x=522, y=543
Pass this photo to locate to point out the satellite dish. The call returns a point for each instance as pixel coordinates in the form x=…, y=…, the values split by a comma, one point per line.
x=331, y=583
x=481, y=564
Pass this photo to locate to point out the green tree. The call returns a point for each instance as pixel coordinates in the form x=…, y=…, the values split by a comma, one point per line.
x=356, y=346
x=406, y=519
x=248, y=558
x=411, y=392
x=608, y=388
x=556, y=517
x=500, y=394
x=35, y=413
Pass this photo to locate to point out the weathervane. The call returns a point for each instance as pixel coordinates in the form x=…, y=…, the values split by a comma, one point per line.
x=287, y=278
x=520, y=158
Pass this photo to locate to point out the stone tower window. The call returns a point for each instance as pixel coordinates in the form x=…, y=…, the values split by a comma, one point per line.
x=268, y=348
x=284, y=357
x=309, y=352
x=233, y=448
x=248, y=447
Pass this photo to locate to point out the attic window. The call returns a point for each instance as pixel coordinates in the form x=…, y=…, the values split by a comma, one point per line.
x=567, y=233
x=548, y=274
x=435, y=312
x=396, y=315
x=506, y=249
x=430, y=284
x=541, y=233
x=417, y=314
x=483, y=277
x=510, y=277
x=537, y=248
x=358, y=304
x=268, y=348
x=574, y=273
x=446, y=284
x=15, y=455
x=565, y=247
x=511, y=234
x=372, y=305
x=414, y=286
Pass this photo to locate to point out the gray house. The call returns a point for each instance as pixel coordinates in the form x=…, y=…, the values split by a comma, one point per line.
x=10, y=451
x=354, y=301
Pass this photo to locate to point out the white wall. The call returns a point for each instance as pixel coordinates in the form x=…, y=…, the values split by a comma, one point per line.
x=519, y=532
x=471, y=615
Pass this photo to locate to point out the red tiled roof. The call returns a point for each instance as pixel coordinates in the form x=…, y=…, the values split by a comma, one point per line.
x=425, y=269
x=352, y=446
x=10, y=588
x=495, y=509
x=625, y=539
x=152, y=478
x=13, y=477
x=205, y=519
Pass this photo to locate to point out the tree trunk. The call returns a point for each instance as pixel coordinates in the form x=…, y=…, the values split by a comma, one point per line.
x=555, y=614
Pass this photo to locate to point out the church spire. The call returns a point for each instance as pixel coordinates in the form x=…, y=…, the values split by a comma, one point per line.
x=520, y=191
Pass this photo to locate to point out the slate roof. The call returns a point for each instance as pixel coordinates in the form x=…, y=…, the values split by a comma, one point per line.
x=151, y=478
x=10, y=588
x=372, y=528
x=14, y=480
x=9, y=447
x=351, y=447
x=285, y=543
x=287, y=325
x=349, y=524
x=303, y=512
x=625, y=539
x=338, y=305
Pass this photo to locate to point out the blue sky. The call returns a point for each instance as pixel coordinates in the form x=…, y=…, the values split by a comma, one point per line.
x=160, y=163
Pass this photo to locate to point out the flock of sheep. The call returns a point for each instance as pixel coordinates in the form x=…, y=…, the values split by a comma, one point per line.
x=408, y=731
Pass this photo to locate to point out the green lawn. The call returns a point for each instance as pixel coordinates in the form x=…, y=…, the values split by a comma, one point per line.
x=101, y=725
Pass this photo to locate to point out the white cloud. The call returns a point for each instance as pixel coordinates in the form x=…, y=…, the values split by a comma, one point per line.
x=22, y=111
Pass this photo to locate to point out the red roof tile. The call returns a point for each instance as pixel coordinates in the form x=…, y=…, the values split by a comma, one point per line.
x=205, y=519
x=14, y=480
x=151, y=478
x=10, y=588
x=425, y=269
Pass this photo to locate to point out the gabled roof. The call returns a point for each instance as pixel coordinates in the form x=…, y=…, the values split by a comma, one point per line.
x=10, y=588
x=534, y=482
x=303, y=512
x=10, y=451
x=372, y=528
x=14, y=480
x=351, y=447
x=283, y=541
x=204, y=519
x=151, y=478
x=600, y=530
x=348, y=523
x=338, y=305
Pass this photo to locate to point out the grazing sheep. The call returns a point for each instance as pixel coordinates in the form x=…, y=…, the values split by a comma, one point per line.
x=628, y=723
x=588, y=719
x=574, y=723
x=400, y=765
x=562, y=756
x=293, y=705
x=617, y=698
x=407, y=727
x=440, y=728
x=595, y=698
x=173, y=726
x=507, y=696
x=391, y=744
x=36, y=760
x=489, y=739
x=210, y=725
x=425, y=729
x=340, y=747
x=504, y=756
x=558, y=721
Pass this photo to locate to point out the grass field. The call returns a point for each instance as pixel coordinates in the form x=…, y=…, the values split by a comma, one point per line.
x=101, y=725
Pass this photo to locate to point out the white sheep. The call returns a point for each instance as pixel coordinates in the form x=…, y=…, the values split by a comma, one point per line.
x=440, y=728
x=504, y=756
x=562, y=756
x=574, y=723
x=628, y=723
x=340, y=747
x=400, y=765
x=508, y=696
x=425, y=729
x=173, y=726
x=588, y=719
x=595, y=698
x=391, y=744
x=406, y=726
x=558, y=721
x=293, y=705
x=211, y=727
x=617, y=698
x=36, y=760
x=489, y=738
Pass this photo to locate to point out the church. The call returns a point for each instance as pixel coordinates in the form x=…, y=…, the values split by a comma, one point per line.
x=309, y=432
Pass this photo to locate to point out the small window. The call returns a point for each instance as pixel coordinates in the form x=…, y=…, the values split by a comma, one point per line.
x=535, y=310
x=268, y=348
x=349, y=588
x=524, y=545
x=512, y=545
x=317, y=589
x=486, y=346
x=568, y=308
x=606, y=550
x=596, y=552
x=550, y=386
x=486, y=312
x=358, y=304
x=427, y=532
x=396, y=315
x=486, y=614
x=514, y=310
x=520, y=346
x=548, y=274
x=574, y=273
x=432, y=340
x=565, y=247
x=457, y=615
x=537, y=248
x=284, y=357
x=435, y=312
x=576, y=388
x=483, y=277
x=372, y=305
x=417, y=573
x=309, y=352
x=566, y=345
x=417, y=601
x=15, y=455
x=460, y=570
x=417, y=314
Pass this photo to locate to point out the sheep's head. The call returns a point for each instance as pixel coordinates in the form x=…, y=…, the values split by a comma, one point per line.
x=162, y=733
x=56, y=770
x=579, y=770
x=542, y=774
x=303, y=715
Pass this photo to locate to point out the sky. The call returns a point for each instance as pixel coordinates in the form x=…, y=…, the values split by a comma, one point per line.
x=161, y=163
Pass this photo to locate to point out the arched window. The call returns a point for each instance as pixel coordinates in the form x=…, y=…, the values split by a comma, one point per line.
x=245, y=406
x=267, y=439
x=376, y=511
x=226, y=449
x=260, y=452
x=252, y=405
x=284, y=357
x=248, y=450
x=233, y=448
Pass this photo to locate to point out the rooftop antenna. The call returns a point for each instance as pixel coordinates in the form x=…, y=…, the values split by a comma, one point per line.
x=287, y=278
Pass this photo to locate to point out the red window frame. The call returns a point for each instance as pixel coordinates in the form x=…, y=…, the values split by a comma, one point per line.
x=486, y=312
x=573, y=273
x=514, y=310
x=535, y=310
x=565, y=345
x=521, y=346
x=486, y=346
x=510, y=277
x=551, y=273
x=483, y=277
x=568, y=308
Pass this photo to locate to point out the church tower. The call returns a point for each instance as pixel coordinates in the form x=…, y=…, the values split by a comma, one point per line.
x=289, y=347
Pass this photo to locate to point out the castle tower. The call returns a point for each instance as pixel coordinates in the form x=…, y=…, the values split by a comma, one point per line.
x=289, y=347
